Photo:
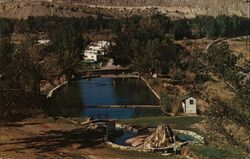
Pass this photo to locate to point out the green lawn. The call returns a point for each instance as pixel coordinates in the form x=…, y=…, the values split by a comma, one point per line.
x=119, y=154
x=228, y=151
x=140, y=155
x=182, y=122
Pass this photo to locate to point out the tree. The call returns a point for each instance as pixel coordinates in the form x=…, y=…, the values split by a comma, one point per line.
x=212, y=29
x=244, y=96
x=121, y=52
x=223, y=61
x=181, y=29
x=224, y=26
x=67, y=41
x=6, y=51
x=6, y=27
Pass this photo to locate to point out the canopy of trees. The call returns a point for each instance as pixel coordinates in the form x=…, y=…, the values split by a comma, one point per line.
x=146, y=47
x=201, y=26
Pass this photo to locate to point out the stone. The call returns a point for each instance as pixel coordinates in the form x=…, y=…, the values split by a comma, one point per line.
x=162, y=136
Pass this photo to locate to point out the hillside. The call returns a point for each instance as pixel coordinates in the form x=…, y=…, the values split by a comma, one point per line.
x=121, y=8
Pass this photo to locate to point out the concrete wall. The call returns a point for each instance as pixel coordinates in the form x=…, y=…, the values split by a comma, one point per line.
x=198, y=139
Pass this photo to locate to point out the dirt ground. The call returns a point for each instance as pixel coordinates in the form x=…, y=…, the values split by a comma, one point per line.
x=45, y=138
x=240, y=46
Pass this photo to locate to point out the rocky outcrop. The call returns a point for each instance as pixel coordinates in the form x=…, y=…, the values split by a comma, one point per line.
x=162, y=136
x=24, y=9
x=121, y=8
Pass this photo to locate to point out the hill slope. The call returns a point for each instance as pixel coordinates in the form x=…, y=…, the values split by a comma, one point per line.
x=121, y=8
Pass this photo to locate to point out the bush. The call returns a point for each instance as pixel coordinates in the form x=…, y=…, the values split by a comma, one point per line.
x=178, y=75
x=171, y=104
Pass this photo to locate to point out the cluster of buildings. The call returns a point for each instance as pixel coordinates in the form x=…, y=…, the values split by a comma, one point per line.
x=96, y=50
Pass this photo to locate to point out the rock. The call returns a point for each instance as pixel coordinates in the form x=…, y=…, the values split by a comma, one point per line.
x=136, y=141
x=162, y=136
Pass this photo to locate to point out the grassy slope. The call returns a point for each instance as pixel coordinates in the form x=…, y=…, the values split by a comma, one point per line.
x=228, y=151
x=182, y=122
x=186, y=123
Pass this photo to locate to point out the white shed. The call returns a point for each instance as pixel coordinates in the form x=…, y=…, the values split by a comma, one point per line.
x=189, y=105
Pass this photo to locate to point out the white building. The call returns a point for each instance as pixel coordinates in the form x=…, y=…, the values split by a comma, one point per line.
x=189, y=105
x=96, y=50
x=90, y=55
x=43, y=42
x=99, y=49
x=104, y=44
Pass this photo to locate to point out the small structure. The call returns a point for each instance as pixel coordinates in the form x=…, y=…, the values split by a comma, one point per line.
x=189, y=105
x=43, y=41
x=104, y=44
x=90, y=56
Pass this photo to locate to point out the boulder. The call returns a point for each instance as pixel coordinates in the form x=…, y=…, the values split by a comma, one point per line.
x=162, y=136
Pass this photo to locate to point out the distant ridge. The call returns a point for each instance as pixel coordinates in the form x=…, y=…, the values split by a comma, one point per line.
x=122, y=8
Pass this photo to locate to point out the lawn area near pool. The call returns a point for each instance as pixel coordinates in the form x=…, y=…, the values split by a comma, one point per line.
x=180, y=122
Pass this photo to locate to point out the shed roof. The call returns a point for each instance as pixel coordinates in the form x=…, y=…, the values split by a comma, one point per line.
x=183, y=98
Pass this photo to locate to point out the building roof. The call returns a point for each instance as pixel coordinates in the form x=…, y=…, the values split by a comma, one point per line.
x=185, y=97
x=90, y=52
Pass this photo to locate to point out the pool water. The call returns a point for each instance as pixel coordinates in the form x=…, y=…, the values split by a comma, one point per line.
x=80, y=98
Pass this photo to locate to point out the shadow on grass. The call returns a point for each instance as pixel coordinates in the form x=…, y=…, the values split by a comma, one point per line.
x=53, y=140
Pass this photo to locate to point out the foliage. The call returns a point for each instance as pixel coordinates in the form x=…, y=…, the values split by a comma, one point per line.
x=19, y=70
x=181, y=29
x=171, y=104
x=223, y=61
x=212, y=152
x=6, y=27
x=244, y=95
x=67, y=41
x=221, y=26
x=230, y=110
x=6, y=51
x=146, y=47
x=20, y=83
x=178, y=75
x=197, y=65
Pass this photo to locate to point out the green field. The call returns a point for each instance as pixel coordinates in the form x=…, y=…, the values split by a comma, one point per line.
x=228, y=151
x=181, y=122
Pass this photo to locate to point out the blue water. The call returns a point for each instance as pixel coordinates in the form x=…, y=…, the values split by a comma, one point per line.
x=121, y=140
x=184, y=137
x=78, y=97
